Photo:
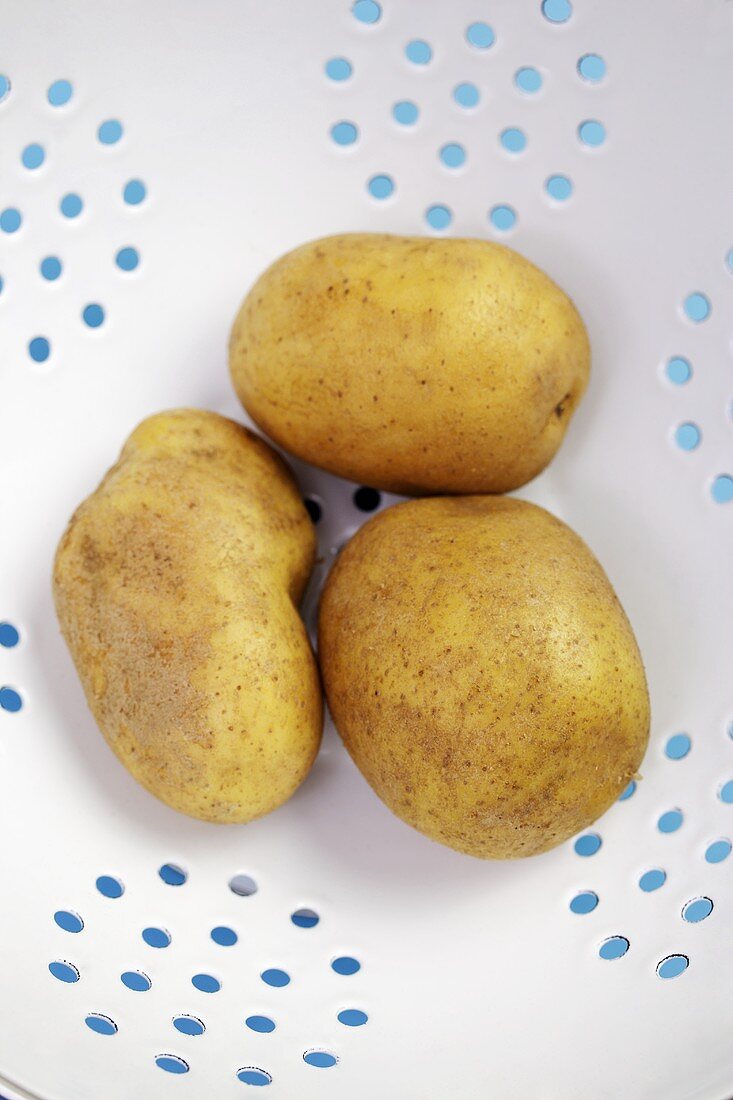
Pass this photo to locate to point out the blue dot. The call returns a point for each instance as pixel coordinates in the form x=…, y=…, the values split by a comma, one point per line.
x=39, y=349
x=687, y=436
x=381, y=187
x=9, y=635
x=502, y=217
x=592, y=67
x=263, y=1024
x=251, y=1075
x=51, y=268
x=171, y=1063
x=206, y=983
x=559, y=188
x=225, y=937
x=338, y=68
x=276, y=978
x=722, y=489
x=466, y=94
x=68, y=920
x=10, y=220
x=172, y=874
x=110, y=887
x=352, y=1017
x=728, y=256
x=2, y=284
x=33, y=156
x=4, y=86
x=678, y=746
x=59, y=92
x=679, y=370
x=110, y=132
x=652, y=880
x=697, y=306
x=585, y=902
x=718, y=851
x=344, y=133
x=670, y=821
x=725, y=794
x=480, y=35
x=156, y=937
x=615, y=947
x=103, y=1025
x=366, y=11
x=93, y=315
x=189, y=1025
x=453, y=155
x=10, y=700
x=418, y=52
x=71, y=205
x=627, y=791
x=513, y=139
x=127, y=258
x=305, y=918
x=528, y=79
x=136, y=980
x=696, y=910
x=588, y=844
x=592, y=132
x=64, y=971
x=345, y=964
x=320, y=1058
x=438, y=216
x=405, y=112
x=672, y=966
x=557, y=11
x=134, y=192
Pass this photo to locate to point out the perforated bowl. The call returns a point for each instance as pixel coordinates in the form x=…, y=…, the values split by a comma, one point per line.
x=154, y=158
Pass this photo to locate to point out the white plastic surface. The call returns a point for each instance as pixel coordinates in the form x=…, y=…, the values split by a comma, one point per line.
x=477, y=978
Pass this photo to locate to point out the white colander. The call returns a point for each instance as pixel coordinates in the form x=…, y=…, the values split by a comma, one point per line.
x=596, y=139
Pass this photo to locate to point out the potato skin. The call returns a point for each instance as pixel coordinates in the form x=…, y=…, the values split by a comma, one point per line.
x=411, y=364
x=482, y=673
x=176, y=587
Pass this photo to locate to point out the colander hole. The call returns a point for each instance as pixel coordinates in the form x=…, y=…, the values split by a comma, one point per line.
x=321, y=1059
x=592, y=133
x=615, y=947
x=10, y=700
x=438, y=216
x=136, y=980
x=68, y=920
x=718, y=851
x=33, y=156
x=728, y=255
x=173, y=874
x=697, y=909
x=405, y=112
x=584, y=902
x=652, y=880
x=528, y=79
x=4, y=87
x=128, y=258
x=278, y=979
x=10, y=220
x=670, y=821
x=592, y=67
x=513, y=139
x=628, y=791
x=338, y=68
x=453, y=155
x=93, y=315
x=134, y=192
x=60, y=92
x=305, y=918
x=171, y=1063
x=559, y=188
x=672, y=966
x=466, y=94
x=110, y=886
x=262, y=1024
x=557, y=11
x=697, y=307
x=352, y=1017
x=366, y=499
x=189, y=1025
x=381, y=186
x=9, y=636
x=243, y=885
x=156, y=937
x=345, y=964
x=64, y=971
x=503, y=217
x=721, y=489
x=367, y=11
x=224, y=936
x=110, y=131
x=419, y=52
x=679, y=745
x=344, y=132
x=206, y=983
x=314, y=507
x=39, y=349
x=71, y=205
x=687, y=436
x=678, y=370
x=51, y=268
x=725, y=794
x=480, y=35
x=253, y=1075
x=588, y=844
x=103, y=1025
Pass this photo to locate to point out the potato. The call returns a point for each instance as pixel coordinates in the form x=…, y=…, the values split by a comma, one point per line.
x=176, y=587
x=411, y=364
x=482, y=673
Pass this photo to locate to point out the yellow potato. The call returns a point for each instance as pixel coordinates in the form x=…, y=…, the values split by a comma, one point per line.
x=176, y=586
x=482, y=673
x=411, y=364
